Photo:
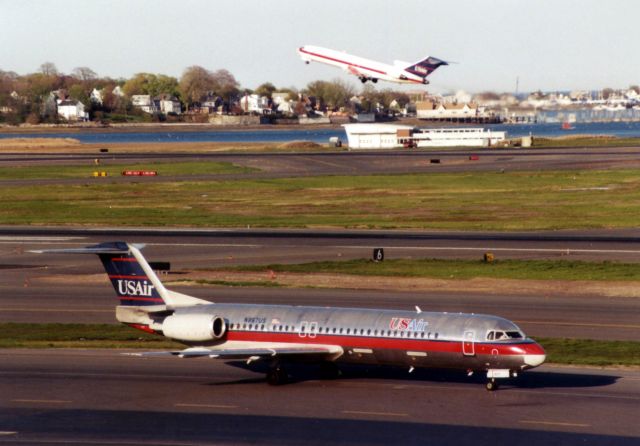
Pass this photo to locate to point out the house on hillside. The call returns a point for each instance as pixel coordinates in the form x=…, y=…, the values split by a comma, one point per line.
x=96, y=96
x=72, y=110
x=211, y=104
x=431, y=110
x=282, y=103
x=253, y=103
x=170, y=104
x=145, y=103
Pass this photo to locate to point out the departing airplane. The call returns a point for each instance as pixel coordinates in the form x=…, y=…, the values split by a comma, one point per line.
x=370, y=70
x=281, y=335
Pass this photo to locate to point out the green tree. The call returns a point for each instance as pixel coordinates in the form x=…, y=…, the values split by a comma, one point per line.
x=48, y=69
x=162, y=84
x=226, y=84
x=332, y=95
x=79, y=93
x=265, y=89
x=195, y=83
x=84, y=73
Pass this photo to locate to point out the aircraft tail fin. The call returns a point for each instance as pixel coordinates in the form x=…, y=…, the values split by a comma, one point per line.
x=425, y=67
x=135, y=282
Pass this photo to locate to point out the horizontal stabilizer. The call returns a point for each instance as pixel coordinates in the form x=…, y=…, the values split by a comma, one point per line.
x=102, y=248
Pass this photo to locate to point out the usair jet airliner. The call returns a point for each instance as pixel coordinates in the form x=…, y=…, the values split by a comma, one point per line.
x=371, y=70
x=282, y=335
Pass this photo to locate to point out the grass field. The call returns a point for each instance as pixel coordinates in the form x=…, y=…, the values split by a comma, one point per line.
x=20, y=335
x=458, y=201
x=169, y=168
x=586, y=141
x=465, y=269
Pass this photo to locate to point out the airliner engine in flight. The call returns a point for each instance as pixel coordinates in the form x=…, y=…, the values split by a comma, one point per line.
x=370, y=70
x=282, y=335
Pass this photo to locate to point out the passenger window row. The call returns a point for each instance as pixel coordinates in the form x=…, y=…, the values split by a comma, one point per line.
x=337, y=330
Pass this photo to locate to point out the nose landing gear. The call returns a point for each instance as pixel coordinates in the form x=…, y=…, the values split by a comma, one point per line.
x=492, y=385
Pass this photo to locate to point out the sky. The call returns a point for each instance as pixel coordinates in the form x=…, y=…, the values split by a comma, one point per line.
x=547, y=45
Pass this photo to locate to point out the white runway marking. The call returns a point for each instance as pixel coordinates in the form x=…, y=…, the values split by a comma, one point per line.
x=206, y=406
x=41, y=401
x=554, y=423
x=566, y=251
x=414, y=248
x=379, y=414
x=36, y=238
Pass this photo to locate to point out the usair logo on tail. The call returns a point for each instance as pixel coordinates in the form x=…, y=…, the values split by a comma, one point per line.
x=135, y=288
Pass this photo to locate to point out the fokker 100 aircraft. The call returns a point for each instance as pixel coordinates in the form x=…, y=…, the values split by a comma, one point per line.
x=370, y=70
x=282, y=335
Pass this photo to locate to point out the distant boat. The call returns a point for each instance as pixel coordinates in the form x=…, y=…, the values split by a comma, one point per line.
x=566, y=125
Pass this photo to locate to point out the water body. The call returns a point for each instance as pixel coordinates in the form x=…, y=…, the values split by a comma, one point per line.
x=620, y=129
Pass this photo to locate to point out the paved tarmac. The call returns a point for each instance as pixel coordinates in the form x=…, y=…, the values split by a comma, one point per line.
x=102, y=397
x=44, y=287
x=285, y=165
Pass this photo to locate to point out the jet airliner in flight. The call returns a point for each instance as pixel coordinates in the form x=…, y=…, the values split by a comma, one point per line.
x=370, y=70
x=281, y=335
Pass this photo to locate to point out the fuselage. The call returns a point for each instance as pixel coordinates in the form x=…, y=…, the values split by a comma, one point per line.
x=417, y=339
x=366, y=69
x=283, y=334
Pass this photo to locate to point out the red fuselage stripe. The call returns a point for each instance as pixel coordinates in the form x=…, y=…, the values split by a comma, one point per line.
x=123, y=259
x=322, y=56
x=127, y=277
x=386, y=343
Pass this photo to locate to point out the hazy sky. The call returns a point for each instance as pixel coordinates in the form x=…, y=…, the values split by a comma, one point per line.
x=549, y=44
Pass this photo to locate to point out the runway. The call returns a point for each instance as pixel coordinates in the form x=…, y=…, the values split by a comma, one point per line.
x=72, y=288
x=103, y=397
x=301, y=164
x=90, y=397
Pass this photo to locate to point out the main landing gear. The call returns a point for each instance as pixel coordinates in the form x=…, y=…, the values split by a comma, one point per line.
x=277, y=375
x=329, y=370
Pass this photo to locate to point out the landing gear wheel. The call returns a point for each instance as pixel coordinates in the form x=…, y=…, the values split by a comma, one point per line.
x=492, y=385
x=328, y=370
x=277, y=376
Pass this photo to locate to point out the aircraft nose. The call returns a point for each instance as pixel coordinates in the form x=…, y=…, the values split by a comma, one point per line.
x=535, y=355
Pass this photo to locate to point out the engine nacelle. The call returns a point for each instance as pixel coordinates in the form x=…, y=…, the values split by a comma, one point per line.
x=194, y=327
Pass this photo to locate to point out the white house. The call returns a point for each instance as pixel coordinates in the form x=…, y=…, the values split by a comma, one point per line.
x=429, y=110
x=72, y=110
x=253, y=103
x=96, y=96
x=282, y=102
x=144, y=102
x=170, y=105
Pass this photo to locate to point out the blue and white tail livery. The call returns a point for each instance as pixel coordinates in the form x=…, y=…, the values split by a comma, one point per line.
x=133, y=279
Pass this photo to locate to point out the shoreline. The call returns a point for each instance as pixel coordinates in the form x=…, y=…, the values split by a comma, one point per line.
x=154, y=127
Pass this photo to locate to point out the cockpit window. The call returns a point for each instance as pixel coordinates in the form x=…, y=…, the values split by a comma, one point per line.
x=504, y=335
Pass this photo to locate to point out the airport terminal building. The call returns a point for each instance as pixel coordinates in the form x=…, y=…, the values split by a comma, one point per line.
x=389, y=136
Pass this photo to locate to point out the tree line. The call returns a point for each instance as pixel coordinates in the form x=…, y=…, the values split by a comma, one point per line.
x=30, y=98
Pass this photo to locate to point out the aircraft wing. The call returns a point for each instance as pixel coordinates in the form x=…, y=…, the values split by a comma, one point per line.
x=251, y=354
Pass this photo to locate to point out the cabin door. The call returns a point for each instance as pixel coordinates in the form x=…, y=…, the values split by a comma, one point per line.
x=468, y=347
